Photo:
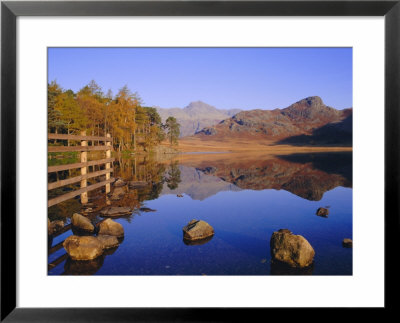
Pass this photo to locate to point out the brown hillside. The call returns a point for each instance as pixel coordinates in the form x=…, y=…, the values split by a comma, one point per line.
x=304, y=117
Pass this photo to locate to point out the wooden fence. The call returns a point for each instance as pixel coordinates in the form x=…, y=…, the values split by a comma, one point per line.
x=83, y=165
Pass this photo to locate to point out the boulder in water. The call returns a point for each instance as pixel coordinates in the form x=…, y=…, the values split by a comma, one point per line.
x=81, y=222
x=291, y=249
x=83, y=248
x=110, y=227
x=197, y=230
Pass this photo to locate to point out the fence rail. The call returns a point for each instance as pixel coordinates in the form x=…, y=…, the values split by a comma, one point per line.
x=59, y=149
x=58, y=168
x=77, y=137
x=83, y=165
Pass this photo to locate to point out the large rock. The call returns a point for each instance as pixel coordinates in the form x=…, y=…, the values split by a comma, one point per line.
x=82, y=223
x=108, y=241
x=83, y=248
x=116, y=211
x=112, y=228
x=197, y=230
x=291, y=249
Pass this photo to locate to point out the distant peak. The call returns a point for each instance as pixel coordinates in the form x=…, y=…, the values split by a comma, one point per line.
x=198, y=103
x=312, y=101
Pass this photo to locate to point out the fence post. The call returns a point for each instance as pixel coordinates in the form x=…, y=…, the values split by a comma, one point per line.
x=84, y=196
x=108, y=155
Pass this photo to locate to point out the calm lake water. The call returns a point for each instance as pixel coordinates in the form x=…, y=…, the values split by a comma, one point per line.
x=244, y=197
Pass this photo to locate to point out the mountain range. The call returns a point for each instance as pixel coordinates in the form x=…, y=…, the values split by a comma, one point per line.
x=196, y=116
x=308, y=121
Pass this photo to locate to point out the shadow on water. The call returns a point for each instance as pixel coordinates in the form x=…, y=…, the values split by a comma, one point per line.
x=282, y=269
x=79, y=267
x=197, y=242
x=329, y=162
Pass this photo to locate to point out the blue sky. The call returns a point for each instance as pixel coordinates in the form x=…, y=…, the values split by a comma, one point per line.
x=245, y=78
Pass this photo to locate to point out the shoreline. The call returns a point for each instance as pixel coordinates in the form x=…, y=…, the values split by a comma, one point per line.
x=198, y=146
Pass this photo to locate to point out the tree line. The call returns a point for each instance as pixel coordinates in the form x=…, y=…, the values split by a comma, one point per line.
x=131, y=125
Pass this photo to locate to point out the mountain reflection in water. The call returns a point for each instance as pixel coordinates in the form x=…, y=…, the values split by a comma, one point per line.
x=306, y=175
x=244, y=197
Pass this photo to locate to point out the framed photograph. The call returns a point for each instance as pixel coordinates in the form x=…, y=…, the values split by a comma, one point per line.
x=197, y=157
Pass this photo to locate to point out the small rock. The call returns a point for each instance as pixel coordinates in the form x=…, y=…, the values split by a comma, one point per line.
x=55, y=226
x=347, y=243
x=108, y=241
x=179, y=195
x=82, y=223
x=323, y=212
x=110, y=227
x=83, y=248
x=197, y=230
x=291, y=249
x=116, y=211
x=119, y=183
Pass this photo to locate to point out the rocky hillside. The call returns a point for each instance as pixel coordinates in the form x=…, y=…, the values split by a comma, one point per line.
x=196, y=116
x=309, y=118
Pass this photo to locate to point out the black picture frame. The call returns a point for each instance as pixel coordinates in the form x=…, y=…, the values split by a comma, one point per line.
x=10, y=10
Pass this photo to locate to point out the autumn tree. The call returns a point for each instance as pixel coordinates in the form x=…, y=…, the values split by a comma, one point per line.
x=123, y=117
x=97, y=113
x=54, y=121
x=173, y=130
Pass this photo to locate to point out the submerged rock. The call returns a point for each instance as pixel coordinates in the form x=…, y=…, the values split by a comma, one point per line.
x=108, y=241
x=291, y=249
x=116, y=211
x=110, y=227
x=137, y=184
x=82, y=223
x=118, y=193
x=146, y=209
x=83, y=248
x=119, y=183
x=347, y=243
x=323, y=212
x=197, y=230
